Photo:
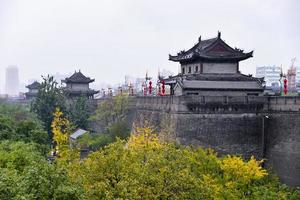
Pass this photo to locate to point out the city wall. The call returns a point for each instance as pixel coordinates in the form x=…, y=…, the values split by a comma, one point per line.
x=266, y=127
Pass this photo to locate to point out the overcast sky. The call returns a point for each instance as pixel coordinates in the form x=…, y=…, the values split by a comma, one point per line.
x=108, y=39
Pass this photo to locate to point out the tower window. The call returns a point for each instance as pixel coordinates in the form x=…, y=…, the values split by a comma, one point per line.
x=190, y=70
x=196, y=69
x=183, y=71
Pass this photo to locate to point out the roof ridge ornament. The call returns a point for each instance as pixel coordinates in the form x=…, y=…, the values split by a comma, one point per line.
x=199, y=39
x=219, y=34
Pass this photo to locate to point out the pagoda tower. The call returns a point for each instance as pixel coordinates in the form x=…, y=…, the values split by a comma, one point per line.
x=33, y=90
x=211, y=68
x=77, y=85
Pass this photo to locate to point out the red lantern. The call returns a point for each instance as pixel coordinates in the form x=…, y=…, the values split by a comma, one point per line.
x=159, y=90
x=285, y=90
x=163, y=87
x=150, y=87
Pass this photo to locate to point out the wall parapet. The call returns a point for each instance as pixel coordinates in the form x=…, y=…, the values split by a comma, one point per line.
x=288, y=103
x=219, y=103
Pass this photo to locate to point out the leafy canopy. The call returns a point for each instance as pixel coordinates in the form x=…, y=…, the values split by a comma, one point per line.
x=18, y=124
x=146, y=168
x=49, y=97
x=25, y=174
x=79, y=112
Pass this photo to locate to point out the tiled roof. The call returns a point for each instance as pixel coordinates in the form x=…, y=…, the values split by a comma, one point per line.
x=78, y=77
x=211, y=49
x=34, y=85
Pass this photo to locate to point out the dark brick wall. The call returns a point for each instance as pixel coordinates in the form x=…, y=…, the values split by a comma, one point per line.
x=237, y=133
x=226, y=133
x=283, y=146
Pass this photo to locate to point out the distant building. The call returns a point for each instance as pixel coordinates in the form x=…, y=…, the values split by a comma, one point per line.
x=270, y=73
x=12, y=81
x=33, y=90
x=211, y=68
x=78, y=85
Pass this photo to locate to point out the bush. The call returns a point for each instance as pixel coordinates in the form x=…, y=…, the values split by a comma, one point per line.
x=18, y=124
x=94, y=141
x=25, y=174
x=145, y=168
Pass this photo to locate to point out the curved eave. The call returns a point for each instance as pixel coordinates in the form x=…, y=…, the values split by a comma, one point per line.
x=70, y=81
x=241, y=57
x=182, y=58
x=81, y=92
x=211, y=57
x=32, y=88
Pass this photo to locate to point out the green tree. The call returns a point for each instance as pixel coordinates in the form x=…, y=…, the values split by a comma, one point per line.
x=17, y=112
x=79, y=112
x=112, y=110
x=94, y=141
x=7, y=130
x=49, y=97
x=18, y=124
x=25, y=174
x=30, y=131
x=112, y=114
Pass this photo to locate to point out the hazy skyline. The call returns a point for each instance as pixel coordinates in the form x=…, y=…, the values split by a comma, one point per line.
x=109, y=39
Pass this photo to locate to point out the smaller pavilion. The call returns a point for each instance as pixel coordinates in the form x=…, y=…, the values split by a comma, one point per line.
x=33, y=90
x=77, y=85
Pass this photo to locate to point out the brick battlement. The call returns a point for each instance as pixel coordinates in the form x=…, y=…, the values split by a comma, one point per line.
x=219, y=103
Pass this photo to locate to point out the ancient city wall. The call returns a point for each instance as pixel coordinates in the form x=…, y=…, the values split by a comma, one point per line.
x=283, y=146
x=267, y=127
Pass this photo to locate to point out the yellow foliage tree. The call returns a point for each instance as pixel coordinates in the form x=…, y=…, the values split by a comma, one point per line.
x=237, y=170
x=144, y=138
x=61, y=129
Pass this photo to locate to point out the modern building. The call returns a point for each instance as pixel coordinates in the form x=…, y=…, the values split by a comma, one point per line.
x=77, y=85
x=211, y=68
x=33, y=90
x=270, y=73
x=12, y=81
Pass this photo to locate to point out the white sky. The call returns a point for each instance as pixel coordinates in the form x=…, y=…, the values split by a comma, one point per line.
x=108, y=39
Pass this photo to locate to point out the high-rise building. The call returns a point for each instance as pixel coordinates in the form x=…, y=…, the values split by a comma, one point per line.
x=12, y=81
x=271, y=74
